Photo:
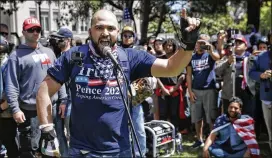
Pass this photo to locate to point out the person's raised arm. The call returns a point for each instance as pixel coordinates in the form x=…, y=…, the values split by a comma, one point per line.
x=177, y=62
x=44, y=105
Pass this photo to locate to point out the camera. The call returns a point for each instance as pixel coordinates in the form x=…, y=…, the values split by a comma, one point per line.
x=77, y=58
x=231, y=32
x=205, y=47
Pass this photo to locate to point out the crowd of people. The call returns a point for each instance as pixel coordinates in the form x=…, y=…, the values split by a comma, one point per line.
x=55, y=105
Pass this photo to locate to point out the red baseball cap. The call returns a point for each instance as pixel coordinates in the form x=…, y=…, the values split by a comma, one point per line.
x=31, y=22
x=241, y=38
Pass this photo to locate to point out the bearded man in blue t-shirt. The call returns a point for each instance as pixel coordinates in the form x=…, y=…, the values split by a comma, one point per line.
x=99, y=122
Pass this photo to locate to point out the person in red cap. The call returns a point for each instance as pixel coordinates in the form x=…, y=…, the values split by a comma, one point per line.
x=244, y=88
x=27, y=67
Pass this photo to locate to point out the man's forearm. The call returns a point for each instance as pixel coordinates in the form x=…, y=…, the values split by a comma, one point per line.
x=44, y=105
x=160, y=83
x=179, y=61
x=189, y=83
x=209, y=141
x=189, y=78
x=214, y=56
x=178, y=83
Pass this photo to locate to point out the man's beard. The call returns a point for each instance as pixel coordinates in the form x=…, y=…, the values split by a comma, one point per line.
x=99, y=48
x=61, y=45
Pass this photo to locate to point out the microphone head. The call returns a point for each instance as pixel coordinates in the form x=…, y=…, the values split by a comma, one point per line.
x=106, y=50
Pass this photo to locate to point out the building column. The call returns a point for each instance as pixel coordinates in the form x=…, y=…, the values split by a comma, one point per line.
x=51, y=20
x=37, y=11
x=78, y=26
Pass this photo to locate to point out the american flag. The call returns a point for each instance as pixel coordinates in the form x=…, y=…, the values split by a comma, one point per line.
x=244, y=128
x=96, y=82
x=126, y=17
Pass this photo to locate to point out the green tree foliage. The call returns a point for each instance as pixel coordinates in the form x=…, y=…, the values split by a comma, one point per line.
x=211, y=24
x=265, y=18
x=252, y=8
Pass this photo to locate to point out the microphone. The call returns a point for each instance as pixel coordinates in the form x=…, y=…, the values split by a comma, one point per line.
x=107, y=52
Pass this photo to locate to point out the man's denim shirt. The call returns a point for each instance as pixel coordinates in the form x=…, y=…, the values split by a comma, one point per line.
x=236, y=141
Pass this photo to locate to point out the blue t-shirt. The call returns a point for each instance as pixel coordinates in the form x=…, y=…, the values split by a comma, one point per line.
x=99, y=122
x=203, y=71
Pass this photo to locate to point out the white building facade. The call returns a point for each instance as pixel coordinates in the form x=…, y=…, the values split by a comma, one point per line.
x=50, y=12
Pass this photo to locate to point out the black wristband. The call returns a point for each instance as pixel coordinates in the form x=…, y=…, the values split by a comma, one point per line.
x=186, y=45
x=189, y=38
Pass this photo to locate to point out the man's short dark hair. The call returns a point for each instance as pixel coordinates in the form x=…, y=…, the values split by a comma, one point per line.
x=236, y=100
x=4, y=26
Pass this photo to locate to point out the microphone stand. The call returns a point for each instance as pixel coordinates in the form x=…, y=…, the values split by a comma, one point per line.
x=115, y=71
x=234, y=63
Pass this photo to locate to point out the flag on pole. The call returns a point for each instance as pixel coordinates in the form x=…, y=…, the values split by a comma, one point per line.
x=126, y=17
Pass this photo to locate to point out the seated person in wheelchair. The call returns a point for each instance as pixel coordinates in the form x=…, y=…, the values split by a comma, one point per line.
x=233, y=134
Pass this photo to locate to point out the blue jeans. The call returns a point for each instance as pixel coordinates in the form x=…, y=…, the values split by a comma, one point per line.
x=216, y=151
x=76, y=153
x=59, y=127
x=138, y=122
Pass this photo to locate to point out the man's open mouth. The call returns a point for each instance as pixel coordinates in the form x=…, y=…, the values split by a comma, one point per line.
x=104, y=42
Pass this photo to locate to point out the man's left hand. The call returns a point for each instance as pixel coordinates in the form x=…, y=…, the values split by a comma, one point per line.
x=62, y=110
x=189, y=31
x=4, y=105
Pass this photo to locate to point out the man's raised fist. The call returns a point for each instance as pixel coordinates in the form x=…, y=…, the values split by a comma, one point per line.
x=189, y=27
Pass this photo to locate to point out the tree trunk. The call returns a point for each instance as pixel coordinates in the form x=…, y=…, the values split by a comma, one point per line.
x=253, y=13
x=161, y=20
x=145, y=18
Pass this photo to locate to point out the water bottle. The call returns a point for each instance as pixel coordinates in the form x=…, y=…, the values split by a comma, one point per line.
x=179, y=147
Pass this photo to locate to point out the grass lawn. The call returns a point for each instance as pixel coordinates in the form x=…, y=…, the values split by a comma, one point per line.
x=188, y=140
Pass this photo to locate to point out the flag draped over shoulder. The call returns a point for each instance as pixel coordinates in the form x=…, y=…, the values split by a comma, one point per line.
x=244, y=128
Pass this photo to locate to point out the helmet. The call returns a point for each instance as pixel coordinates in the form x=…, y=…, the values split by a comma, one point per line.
x=131, y=30
x=128, y=29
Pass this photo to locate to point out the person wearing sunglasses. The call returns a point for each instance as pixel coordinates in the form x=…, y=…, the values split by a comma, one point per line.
x=128, y=37
x=128, y=41
x=27, y=67
x=64, y=39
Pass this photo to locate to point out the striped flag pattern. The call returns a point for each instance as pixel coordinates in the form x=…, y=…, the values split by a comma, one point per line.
x=96, y=82
x=244, y=128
